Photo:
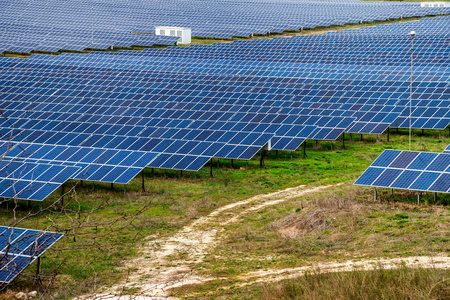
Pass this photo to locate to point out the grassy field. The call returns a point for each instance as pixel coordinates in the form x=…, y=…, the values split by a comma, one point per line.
x=404, y=283
x=103, y=227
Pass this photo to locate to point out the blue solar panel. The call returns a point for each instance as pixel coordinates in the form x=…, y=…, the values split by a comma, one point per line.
x=226, y=100
x=410, y=170
x=20, y=247
x=32, y=181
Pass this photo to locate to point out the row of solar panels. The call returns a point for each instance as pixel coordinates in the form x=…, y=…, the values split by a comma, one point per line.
x=410, y=170
x=20, y=247
x=221, y=93
x=184, y=117
x=77, y=25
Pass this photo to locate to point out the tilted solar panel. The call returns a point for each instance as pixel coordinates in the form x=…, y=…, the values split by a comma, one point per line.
x=421, y=171
x=21, y=247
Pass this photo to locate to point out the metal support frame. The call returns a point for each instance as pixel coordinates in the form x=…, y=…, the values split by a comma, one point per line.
x=112, y=186
x=388, y=134
x=232, y=163
x=375, y=194
x=143, y=180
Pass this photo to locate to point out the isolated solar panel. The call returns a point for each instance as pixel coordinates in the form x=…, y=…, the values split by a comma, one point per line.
x=412, y=170
x=20, y=247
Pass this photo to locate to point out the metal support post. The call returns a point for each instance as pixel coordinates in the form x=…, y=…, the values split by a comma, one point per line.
x=143, y=180
x=261, y=159
x=38, y=269
x=388, y=134
x=304, y=150
x=343, y=140
x=210, y=168
x=62, y=194
x=375, y=194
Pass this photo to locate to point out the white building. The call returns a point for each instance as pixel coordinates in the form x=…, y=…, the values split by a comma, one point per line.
x=435, y=4
x=182, y=32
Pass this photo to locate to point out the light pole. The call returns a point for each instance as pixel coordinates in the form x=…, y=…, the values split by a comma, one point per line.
x=413, y=34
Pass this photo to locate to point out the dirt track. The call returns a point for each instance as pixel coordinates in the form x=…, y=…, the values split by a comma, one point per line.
x=168, y=263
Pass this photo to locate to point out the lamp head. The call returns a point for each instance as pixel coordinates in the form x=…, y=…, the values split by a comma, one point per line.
x=413, y=34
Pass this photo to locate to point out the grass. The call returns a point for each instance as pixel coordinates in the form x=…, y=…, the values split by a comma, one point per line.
x=103, y=227
x=338, y=225
x=404, y=283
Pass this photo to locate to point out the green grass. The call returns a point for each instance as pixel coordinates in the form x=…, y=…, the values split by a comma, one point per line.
x=404, y=283
x=104, y=227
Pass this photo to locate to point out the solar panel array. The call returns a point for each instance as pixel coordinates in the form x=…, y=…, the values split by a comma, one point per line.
x=21, y=247
x=78, y=24
x=411, y=170
x=183, y=106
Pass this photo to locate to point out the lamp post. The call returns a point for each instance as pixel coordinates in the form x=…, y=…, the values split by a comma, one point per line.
x=413, y=34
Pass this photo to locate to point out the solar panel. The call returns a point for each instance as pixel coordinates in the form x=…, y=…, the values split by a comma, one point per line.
x=21, y=247
x=95, y=164
x=176, y=108
x=447, y=150
x=421, y=171
x=32, y=181
x=77, y=25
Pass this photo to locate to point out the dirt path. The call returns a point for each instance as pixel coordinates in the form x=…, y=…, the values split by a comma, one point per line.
x=168, y=263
